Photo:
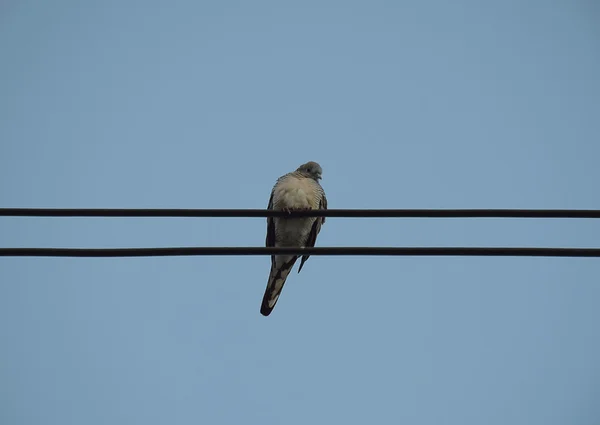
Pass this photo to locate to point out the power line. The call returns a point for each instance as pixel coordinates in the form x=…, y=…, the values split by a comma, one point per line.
x=350, y=213
x=351, y=251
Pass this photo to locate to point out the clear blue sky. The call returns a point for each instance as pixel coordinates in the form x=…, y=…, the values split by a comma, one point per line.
x=198, y=104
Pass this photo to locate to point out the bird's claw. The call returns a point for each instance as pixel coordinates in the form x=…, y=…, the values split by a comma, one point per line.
x=291, y=210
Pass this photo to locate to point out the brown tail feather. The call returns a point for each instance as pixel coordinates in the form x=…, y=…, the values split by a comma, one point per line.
x=277, y=278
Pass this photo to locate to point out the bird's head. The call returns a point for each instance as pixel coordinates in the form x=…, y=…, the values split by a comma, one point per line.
x=311, y=169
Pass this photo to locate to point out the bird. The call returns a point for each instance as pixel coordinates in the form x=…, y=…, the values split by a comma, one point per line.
x=298, y=190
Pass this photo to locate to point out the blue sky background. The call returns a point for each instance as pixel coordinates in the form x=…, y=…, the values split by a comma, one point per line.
x=198, y=104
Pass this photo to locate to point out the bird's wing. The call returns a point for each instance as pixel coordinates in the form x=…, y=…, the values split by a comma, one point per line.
x=270, y=241
x=316, y=228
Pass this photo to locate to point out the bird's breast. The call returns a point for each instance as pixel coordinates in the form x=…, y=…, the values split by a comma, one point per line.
x=295, y=193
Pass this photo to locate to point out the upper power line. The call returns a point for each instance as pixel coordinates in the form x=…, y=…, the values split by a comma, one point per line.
x=371, y=251
x=350, y=213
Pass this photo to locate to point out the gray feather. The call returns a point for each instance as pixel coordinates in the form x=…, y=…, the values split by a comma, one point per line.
x=293, y=191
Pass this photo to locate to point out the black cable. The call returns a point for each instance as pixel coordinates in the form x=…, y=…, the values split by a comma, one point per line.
x=381, y=251
x=354, y=213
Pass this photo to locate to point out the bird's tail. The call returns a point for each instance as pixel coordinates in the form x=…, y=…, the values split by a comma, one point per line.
x=280, y=269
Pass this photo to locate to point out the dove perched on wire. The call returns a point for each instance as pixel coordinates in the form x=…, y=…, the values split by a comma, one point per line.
x=296, y=191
